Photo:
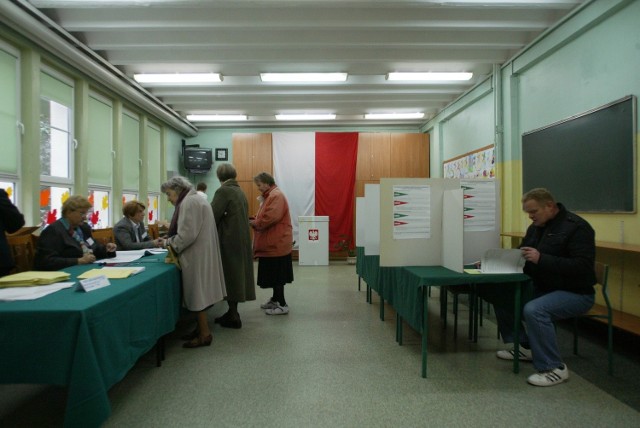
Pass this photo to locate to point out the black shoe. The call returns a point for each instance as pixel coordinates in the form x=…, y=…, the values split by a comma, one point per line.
x=221, y=318
x=230, y=323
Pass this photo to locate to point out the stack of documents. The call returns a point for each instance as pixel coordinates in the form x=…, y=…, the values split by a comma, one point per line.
x=32, y=278
x=112, y=272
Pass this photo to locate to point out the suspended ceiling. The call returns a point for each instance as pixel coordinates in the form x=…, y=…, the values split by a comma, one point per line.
x=365, y=38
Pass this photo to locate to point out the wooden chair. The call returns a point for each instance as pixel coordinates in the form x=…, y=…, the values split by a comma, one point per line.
x=104, y=236
x=153, y=231
x=23, y=252
x=605, y=313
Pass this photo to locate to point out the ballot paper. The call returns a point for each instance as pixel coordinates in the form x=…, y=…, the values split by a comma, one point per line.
x=31, y=293
x=500, y=260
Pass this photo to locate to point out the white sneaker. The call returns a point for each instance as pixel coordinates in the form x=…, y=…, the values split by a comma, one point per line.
x=269, y=304
x=507, y=354
x=278, y=310
x=550, y=378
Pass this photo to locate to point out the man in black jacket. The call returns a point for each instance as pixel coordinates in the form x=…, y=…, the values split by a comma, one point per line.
x=10, y=221
x=559, y=250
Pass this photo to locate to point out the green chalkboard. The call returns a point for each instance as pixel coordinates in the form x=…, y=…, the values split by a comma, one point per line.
x=586, y=161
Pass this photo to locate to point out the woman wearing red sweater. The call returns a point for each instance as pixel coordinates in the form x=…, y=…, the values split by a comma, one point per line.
x=272, y=243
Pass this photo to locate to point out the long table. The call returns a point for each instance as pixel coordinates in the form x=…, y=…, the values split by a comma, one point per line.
x=405, y=289
x=88, y=341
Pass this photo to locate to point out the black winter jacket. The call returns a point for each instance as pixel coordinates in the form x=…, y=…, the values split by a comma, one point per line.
x=567, y=254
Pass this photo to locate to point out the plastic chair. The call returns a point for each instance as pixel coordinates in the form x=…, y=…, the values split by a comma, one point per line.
x=602, y=273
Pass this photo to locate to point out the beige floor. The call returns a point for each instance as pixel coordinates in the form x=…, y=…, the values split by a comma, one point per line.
x=330, y=362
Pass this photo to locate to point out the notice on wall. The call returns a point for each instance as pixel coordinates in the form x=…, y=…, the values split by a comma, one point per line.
x=479, y=205
x=411, y=212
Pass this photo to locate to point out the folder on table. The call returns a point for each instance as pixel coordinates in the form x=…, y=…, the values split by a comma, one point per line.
x=32, y=278
x=112, y=272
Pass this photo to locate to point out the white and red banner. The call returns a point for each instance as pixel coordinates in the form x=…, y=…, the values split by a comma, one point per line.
x=317, y=174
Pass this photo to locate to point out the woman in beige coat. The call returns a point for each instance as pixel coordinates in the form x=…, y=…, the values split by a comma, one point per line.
x=193, y=236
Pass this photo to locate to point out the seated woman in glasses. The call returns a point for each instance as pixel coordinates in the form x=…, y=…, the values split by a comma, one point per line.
x=68, y=241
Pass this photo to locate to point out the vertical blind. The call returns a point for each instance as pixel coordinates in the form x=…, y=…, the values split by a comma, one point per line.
x=131, y=153
x=8, y=113
x=100, y=162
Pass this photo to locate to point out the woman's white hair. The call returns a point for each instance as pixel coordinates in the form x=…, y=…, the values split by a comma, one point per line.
x=177, y=183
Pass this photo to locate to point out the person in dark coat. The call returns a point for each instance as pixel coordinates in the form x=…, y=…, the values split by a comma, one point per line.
x=68, y=241
x=231, y=212
x=11, y=220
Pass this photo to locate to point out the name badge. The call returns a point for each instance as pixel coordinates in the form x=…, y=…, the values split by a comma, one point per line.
x=94, y=283
x=90, y=242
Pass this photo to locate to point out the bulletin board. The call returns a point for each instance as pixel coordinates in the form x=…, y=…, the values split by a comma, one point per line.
x=480, y=163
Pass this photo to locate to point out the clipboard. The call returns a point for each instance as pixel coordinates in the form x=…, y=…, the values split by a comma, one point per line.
x=172, y=257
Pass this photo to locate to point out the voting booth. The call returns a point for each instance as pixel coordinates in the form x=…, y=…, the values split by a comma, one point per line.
x=314, y=240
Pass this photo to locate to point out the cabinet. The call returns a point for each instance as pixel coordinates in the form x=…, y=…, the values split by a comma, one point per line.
x=252, y=154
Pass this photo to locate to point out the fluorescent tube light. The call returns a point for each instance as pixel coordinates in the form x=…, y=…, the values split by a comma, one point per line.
x=215, y=117
x=184, y=78
x=305, y=116
x=303, y=77
x=429, y=77
x=394, y=115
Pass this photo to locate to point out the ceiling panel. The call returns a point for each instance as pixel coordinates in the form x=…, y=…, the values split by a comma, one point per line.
x=365, y=38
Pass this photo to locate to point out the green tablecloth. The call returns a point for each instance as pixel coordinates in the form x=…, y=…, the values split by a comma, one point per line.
x=403, y=286
x=88, y=341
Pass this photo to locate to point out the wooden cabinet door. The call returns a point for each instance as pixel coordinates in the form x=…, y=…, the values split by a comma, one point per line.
x=242, y=155
x=410, y=155
x=262, y=160
x=380, y=156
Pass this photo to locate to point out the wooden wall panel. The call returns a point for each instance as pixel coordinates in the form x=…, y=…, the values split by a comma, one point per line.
x=242, y=155
x=409, y=155
x=380, y=156
x=262, y=154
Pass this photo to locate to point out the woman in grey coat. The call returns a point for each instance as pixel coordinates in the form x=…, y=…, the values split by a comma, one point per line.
x=231, y=212
x=192, y=235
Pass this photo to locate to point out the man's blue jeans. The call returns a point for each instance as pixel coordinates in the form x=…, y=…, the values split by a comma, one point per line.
x=539, y=315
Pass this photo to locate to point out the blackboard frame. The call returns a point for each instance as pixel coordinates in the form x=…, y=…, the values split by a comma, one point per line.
x=588, y=161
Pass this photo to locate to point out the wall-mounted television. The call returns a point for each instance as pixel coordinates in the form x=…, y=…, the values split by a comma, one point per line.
x=197, y=160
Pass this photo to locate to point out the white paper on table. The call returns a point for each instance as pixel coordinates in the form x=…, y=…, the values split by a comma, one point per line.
x=500, y=260
x=124, y=257
x=31, y=293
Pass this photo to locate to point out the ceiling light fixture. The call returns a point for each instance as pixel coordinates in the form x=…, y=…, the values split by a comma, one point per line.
x=180, y=78
x=429, y=77
x=374, y=116
x=215, y=117
x=305, y=116
x=303, y=77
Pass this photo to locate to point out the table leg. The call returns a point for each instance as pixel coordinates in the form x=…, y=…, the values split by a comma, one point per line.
x=443, y=306
x=399, y=328
x=381, y=309
x=425, y=331
x=516, y=329
x=359, y=279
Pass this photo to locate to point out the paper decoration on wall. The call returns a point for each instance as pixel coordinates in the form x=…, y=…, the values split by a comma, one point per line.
x=64, y=197
x=479, y=163
x=45, y=195
x=105, y=202
x=52, y=216
x=9, y=191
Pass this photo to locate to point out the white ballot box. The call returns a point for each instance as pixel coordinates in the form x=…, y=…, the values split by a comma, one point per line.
x=314, y=240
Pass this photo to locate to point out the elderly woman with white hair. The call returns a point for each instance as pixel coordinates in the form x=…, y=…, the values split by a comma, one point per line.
x=192, y=235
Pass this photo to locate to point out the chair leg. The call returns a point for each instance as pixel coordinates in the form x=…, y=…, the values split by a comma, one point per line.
x=455, y=316
x=575, y=336
x=610, y=346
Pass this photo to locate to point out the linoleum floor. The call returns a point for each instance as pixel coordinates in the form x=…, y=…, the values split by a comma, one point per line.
x=332, y=362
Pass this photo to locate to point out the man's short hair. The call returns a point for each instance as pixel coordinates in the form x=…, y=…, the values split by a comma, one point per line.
x=201, y=186
x=540, y=195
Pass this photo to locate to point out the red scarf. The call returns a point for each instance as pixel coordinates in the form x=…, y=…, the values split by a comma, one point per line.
x=173, y=227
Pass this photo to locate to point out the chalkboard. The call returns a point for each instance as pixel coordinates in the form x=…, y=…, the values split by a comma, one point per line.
x=587, y=161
